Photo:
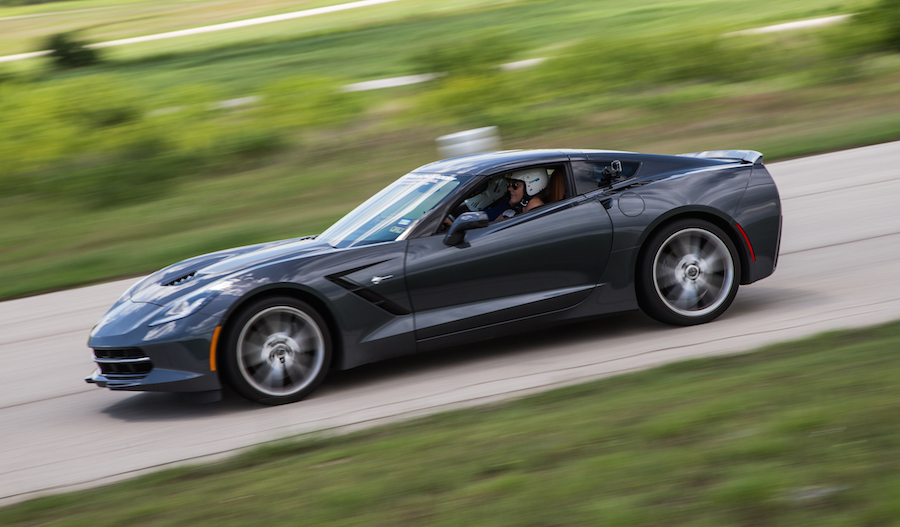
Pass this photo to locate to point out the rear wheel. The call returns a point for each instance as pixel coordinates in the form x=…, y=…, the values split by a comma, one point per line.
x=688, y=274
x=278, y=351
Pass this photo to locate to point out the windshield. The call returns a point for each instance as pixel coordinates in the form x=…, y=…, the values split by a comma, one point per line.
x=388, y=214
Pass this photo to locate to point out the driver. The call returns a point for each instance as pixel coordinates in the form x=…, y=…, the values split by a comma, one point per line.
x=492, y=200
x=526, y=189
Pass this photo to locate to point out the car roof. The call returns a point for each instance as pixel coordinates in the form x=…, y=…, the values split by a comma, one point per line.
x=493, y=162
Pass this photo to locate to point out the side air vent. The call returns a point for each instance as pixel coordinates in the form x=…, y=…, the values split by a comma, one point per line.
x=368, y=295
x=364, y=293
x=183, y=279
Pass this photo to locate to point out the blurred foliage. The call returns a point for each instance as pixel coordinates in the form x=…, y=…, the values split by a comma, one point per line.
x=6, y=77
x=472, y=98
x=882, y=23
x=475, y=90
x=97, y=140
x=81, y=134
x=610, y=70
x=615, y=64
x=472, y=56
x=308, y=102
x=69, y=52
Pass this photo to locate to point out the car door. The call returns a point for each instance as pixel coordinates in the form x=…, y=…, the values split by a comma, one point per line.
x=546, y=260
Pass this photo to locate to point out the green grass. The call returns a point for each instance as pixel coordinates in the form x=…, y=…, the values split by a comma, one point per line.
x=379, y=32
x=94, y=185
x=802, y=433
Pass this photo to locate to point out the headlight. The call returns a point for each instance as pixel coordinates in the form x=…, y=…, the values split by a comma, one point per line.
x=185, y=306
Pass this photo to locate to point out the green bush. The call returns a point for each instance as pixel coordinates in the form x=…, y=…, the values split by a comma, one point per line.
x=84, y=139
x=472, y=88
x=139, y=170
x=99, y=140
x=95, y=140
x=69, y=52
x=492, y=98
x=882, y=21
x=307, y=102
x=667, y=70
x=606, y=65
x=475, y=56
x=471, y=97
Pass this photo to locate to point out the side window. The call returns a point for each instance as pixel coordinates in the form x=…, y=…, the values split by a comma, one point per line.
x=493, y=196
x=589, y=174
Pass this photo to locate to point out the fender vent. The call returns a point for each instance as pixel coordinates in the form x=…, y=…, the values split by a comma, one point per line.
x=368, y=295
x=364, y=293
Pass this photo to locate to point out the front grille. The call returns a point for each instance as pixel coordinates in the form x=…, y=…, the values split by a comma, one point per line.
x=118, y=353
x=122, y=361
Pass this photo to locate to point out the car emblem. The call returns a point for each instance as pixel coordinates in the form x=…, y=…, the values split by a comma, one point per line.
x=378, y=279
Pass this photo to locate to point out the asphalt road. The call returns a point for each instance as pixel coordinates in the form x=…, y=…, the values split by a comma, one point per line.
x=838, y=268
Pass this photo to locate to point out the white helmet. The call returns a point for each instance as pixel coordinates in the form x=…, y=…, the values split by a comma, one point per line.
x=494, y=191
x=535, y=180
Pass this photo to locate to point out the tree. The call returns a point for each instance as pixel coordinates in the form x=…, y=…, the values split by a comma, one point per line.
x=68, y=52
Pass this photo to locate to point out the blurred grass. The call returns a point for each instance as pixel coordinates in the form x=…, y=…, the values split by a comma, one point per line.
x=379, y=32
x=125, y=167
x=802, y=433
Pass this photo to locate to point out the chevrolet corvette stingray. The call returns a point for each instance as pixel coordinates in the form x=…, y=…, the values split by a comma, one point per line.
x=458, y=250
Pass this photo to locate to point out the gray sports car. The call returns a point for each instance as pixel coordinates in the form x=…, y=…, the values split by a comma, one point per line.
x=462, y=249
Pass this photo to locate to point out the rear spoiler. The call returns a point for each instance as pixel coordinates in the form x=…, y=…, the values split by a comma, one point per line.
x=750, y=157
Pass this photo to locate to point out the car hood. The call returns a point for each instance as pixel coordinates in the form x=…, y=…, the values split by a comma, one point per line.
x=189, y=275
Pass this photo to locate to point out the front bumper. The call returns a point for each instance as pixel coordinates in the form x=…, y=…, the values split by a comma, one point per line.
x=172, y=357
x=168, y=367
x=157, y=380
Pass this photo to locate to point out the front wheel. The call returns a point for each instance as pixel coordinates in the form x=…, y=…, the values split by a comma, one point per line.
x=277, y=351
x=688, y=274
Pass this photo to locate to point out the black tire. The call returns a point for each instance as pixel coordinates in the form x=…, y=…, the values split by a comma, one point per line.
x=688, y=273
x=277, y=351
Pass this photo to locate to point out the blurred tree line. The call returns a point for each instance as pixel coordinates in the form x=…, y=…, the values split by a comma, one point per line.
x=883, y=20
x=98, y=138
x=602, y=71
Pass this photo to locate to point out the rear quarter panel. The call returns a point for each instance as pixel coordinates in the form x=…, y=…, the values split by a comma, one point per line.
x=712, y=193
x=759, y=215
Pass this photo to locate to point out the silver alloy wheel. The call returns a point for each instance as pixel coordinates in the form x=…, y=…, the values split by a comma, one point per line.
x=693, y=272
x=280, y=351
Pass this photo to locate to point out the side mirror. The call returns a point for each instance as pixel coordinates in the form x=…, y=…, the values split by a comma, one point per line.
x=465, y=222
